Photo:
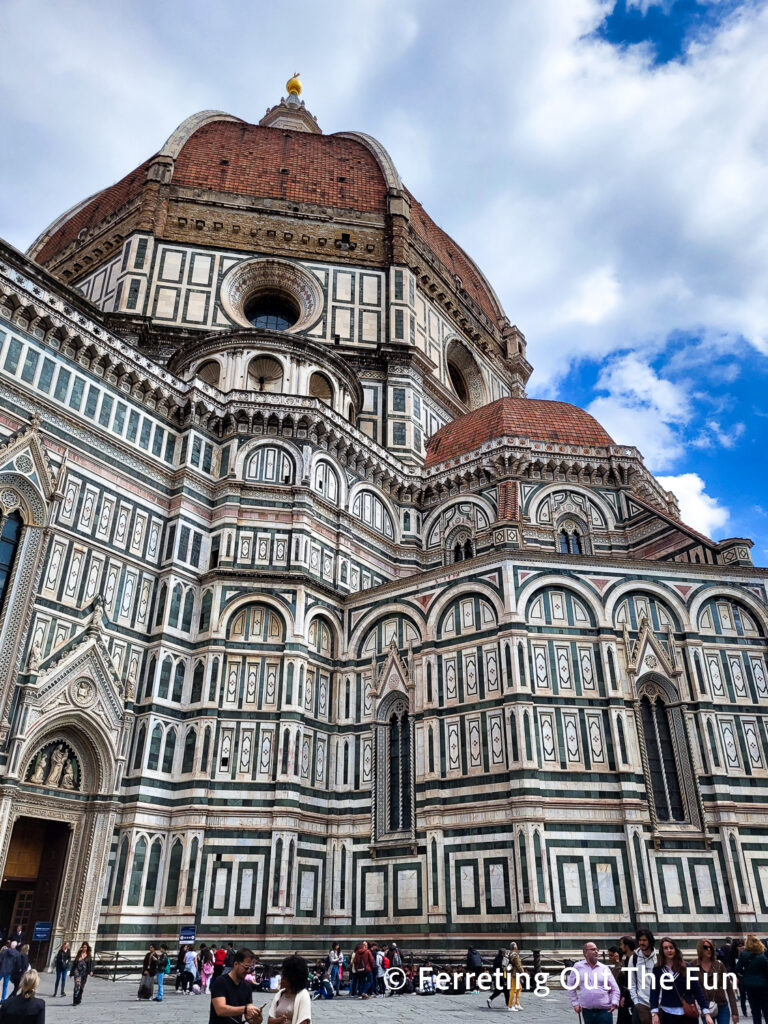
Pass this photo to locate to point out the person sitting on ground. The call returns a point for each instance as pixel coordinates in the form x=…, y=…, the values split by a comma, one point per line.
x=24, y=1007
x=426, y=979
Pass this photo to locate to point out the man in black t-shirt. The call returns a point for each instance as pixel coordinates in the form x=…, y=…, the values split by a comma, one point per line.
x=231, y=994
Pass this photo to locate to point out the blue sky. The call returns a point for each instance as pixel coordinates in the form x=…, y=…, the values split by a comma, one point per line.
x=604, y=162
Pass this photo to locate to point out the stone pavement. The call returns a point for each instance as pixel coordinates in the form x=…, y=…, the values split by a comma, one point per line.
x=116, y=1003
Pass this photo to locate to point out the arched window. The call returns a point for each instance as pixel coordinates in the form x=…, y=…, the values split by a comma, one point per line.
x=665, y=782
x=326, y=482
x=122, y=860
x=173, y=617
x=296, y=755
x=622, y=740
x=343, y=881
x=197, y=683
x=270, y=465
x=429, y=682
x=149, y=678
x=137, y=872
x=165, y=677
x=190, y=742
x=191, y=879
x=138, y=756
x=161, y=604
x=458, y=552
x=205, y=611
x=10, y=536
x=289, y=877
x=153, y=870
x=206, y=751
x=178, y=682
x=469, y=548
x=345, y=765
x=174, y=874
x=189, y=605
x=431, y=751
x=214, y=680
x=371, y=510
x=523, y=853
x=278, y=868
x=153, y=760
x=570, y=540
x=394, y=772
x=169, y=750
x=286, y=740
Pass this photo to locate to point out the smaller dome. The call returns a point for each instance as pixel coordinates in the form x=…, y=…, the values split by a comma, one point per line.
x=536, y=419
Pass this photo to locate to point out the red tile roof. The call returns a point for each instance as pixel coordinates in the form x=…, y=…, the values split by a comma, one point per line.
x=453, y=257
x=282, y=164
x=536, y=419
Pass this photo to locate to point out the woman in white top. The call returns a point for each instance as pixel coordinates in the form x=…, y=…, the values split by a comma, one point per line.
x=292, y=1004
x=335, y=962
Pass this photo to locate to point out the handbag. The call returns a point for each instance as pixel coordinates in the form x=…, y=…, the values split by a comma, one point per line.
x=689, y=1009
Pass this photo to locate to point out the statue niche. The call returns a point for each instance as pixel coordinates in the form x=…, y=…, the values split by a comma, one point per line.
x=56, y=766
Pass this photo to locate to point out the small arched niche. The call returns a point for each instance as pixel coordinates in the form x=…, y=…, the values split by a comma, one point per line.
x=265, y=375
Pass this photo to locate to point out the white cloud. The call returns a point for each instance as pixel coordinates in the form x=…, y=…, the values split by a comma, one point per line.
x=715, y=436
x=642, y=409
x=697, y=508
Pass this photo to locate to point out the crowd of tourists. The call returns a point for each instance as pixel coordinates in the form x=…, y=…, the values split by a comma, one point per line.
x=650, y=982
x=640, y=979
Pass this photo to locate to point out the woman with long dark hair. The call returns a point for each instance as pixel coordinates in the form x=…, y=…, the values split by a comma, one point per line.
x=82, y=970
x=678, y=997
x=292, y=1003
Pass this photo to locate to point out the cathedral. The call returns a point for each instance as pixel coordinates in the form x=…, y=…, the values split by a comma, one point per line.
x=312, y=624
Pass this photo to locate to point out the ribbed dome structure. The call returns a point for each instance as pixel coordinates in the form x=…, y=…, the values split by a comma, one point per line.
x=536, y=419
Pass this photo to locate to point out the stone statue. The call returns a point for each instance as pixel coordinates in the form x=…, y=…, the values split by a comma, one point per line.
x=68, y=778
x=58, y=759
x=39, y=773
x=35, y=657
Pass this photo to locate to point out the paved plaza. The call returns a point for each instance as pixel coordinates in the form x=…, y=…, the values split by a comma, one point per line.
x=116, y=1003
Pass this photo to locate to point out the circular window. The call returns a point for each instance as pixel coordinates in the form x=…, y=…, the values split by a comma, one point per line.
x=272, y=294
x=273, y=310
x=465, y=375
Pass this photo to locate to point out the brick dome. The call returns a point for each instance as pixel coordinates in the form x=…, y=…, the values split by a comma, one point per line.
x=535, y=419
x=219, y=153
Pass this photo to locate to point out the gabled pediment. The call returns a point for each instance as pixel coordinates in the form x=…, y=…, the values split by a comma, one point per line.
x=393, y=677
x=647, y=653
x=79, y=674
x=24, y=453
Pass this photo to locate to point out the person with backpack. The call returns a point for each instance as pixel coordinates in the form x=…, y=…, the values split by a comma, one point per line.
x=642, y=963
x=474, y=967
x=21, y=968
x=163, y=968
x=497, y=969
x=219, y=960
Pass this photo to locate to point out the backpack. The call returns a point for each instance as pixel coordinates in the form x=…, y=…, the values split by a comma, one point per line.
x=163, y=964
x=397, y=960
x=385, y=962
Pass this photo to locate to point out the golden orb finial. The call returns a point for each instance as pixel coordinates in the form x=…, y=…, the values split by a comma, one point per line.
x=293, y=85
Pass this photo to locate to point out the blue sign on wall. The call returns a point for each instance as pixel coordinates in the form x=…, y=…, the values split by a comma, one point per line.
x=187, y=934
x=42, y=931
